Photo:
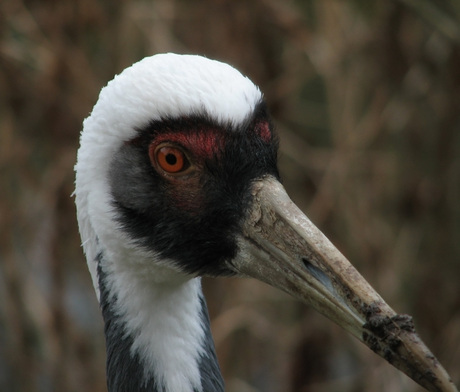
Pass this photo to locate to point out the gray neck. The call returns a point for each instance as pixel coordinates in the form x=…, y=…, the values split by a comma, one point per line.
x=158, y=338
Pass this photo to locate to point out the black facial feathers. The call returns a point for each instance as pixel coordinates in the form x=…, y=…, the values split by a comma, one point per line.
x=193, y=220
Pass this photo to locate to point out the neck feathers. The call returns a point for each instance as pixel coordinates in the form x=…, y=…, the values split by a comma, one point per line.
x=157, y=335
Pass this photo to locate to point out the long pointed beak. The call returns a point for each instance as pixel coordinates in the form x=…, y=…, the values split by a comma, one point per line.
x=280, y=246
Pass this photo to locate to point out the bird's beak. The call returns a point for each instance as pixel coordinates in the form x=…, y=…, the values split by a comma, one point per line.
x=280, y=246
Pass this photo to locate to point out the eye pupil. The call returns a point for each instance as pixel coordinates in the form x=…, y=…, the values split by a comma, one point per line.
x=171, y=159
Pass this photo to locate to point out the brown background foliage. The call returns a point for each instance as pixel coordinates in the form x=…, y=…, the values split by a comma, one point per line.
x=366, y=98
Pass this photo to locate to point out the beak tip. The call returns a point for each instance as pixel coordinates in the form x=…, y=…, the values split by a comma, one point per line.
x=395, y=339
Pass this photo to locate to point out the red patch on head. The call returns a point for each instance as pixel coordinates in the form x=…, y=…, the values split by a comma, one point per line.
x=262, y=128
x=201, y=144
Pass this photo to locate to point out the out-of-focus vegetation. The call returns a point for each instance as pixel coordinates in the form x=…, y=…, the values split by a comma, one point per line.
x=366, y=98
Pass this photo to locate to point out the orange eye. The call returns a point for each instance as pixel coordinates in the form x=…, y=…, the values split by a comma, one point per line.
x=171, y=159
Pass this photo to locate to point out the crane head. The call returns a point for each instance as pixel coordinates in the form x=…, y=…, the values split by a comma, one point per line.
x=177, y=170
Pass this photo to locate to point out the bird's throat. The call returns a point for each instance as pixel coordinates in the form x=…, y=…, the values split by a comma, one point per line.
x=158, y=336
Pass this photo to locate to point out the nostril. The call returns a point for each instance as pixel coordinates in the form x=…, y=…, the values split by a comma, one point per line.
x=309, y=266
x=318, y=274
x=306, y=263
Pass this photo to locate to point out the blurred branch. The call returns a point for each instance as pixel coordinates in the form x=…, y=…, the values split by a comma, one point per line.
x=442, y=22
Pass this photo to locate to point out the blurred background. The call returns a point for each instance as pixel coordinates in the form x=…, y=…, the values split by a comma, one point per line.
x=366, y=99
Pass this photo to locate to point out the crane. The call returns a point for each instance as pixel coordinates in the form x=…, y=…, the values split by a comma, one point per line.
x=176, y=179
